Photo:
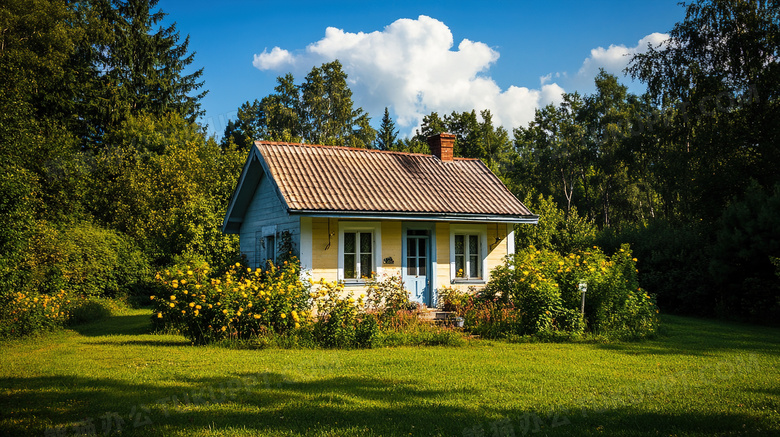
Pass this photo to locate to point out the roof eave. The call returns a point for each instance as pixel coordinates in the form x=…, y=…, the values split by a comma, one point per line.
x=419, y=216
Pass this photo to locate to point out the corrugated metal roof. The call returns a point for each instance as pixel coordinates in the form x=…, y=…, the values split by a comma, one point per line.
x=339, y=179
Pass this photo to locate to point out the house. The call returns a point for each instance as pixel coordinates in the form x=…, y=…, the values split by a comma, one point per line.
x=435, y=220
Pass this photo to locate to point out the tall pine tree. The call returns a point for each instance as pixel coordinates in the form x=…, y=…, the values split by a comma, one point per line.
x=140, y=68
x=388, y=134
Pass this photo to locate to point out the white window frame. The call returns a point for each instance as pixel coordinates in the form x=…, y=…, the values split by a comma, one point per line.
x=375, y=228
x=469, y=229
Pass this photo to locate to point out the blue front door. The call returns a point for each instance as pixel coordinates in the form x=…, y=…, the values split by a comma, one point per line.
x=417, y=266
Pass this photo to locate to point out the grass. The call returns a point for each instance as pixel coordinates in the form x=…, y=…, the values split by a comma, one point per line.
x=697, y=378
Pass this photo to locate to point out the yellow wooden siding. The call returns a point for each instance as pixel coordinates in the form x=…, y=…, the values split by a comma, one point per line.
x=442, y=255
x=391, y=247
x=496, y=255
x=324, y=262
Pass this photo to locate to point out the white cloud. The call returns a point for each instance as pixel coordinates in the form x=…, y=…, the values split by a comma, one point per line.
x=274, y=60
x=613, y=59
x=410, y=66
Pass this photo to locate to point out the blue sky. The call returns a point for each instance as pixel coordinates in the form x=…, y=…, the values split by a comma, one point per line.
x=415, y=57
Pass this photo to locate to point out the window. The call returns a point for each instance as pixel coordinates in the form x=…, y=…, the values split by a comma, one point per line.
x=468, y=252
x=266, y=246
x=358, y=255
x=270, y=249
x=359, y=251
x=467, y=259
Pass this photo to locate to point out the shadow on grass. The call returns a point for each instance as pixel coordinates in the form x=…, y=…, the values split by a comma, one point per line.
x=693, y=336
x=153, y=342
x=132, y=324
x=272, y=403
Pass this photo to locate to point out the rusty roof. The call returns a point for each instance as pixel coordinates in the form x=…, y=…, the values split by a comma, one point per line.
x=319, y=179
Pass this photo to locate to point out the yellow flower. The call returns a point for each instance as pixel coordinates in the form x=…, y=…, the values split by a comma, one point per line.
x=297, y=325
x=224, y=328
x=256, y=316
x=196, y=312
x=283, y=315
x=175, y=285
x=192, y=304
x=172, y=304
x=197, y=307
x=224, y=311
x=159, y=315
x=151, y=297
x=189, y=272
x=173, y=297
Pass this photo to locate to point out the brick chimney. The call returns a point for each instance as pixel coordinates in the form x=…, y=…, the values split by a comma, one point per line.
x=441, y=146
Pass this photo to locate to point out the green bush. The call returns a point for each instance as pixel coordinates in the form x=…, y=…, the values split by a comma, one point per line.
x=91, y=309
x=29, y=313
x=748, y=238
x=340, y=319
x=538, y=292
x=675, y=262
x=241, y=303
x=84, y=259
x=556, y=230
x=387, y=295
x=451, y=299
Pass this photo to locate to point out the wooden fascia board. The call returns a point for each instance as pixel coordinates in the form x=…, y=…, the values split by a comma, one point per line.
x=411, y=216
x=271, y=179
x=234, y=198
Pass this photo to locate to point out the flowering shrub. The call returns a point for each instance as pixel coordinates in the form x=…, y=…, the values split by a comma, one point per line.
x=341, y=321
x=452, y=299
x=543, y=286
x=27, y=313
x=238, y=304
x=386, y=295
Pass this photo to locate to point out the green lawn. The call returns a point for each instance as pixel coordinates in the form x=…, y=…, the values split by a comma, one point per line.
x=698, y=378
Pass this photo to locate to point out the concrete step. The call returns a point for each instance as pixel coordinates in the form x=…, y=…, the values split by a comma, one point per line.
x=436, y=315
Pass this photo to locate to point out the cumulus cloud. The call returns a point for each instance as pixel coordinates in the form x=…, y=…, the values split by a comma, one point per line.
x=411, y=67
x=274, y=60
x=613, y=59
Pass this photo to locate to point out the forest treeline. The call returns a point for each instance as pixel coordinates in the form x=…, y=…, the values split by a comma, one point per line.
x=106, y=175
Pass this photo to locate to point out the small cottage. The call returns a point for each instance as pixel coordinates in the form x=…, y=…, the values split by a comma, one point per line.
x=433, y=219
